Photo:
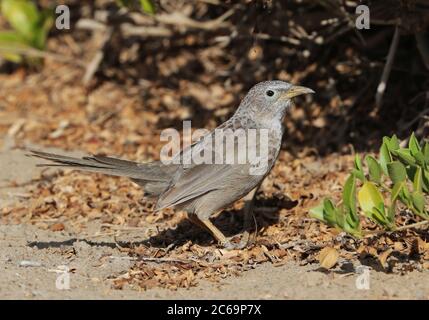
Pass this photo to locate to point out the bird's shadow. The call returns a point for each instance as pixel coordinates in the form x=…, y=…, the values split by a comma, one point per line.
x=230, y=222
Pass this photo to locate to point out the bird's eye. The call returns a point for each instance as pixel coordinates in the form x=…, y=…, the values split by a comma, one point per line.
x=269, y=93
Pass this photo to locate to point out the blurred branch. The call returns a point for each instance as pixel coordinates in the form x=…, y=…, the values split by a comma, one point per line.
x=258, y=36
x=36, y=53
x=391, y=22
x=423, y=46
x=387, y=69
x=214, y=2
x=90, y=24
x=369, y=234
x=144, y=26
x=127, y=29
x=93, y=66
x=407, y=126
x=179, y=19
x=145, y=31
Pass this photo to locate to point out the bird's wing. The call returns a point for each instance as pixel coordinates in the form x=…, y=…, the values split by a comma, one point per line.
x=201, y=179
x=198, y=179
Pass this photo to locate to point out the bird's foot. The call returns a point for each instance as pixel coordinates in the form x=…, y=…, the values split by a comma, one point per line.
x=230, y=245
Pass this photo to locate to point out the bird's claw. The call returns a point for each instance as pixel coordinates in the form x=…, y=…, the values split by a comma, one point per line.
x=229, y=245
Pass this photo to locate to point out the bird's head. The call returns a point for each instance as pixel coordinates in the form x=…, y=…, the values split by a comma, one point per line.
x=270, y=99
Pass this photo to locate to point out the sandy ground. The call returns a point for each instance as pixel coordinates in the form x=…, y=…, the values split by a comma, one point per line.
x=31, y=259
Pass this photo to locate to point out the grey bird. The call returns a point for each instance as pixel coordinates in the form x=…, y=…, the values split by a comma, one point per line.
x=204, y=189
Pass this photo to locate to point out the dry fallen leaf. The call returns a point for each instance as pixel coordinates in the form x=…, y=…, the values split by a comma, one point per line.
x=398, y=246
x=383, y=256
x=57, y=227
x=422, y=245
x=328, y=257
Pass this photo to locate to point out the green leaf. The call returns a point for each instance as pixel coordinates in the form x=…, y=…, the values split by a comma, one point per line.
x=393, y=143
x=329, y=212
x=426, y=181
x=358, y=163
x=41, y=33
x=358, y=170
x=426, y=152
x=378, y=214
x=414, y=145
x=391, y=214
x=374, y=167
x=23, y=16
x=405, y=156
x=10, y=41
x=419, y=158
x=418, y=180
x=396, y=191
x=349, y=205
x=385, y=156
x=340, y=218
x=411, y=172
x=349, y=193
x=397, y=171
x=317, y=212
x=369, y=197
x=405, y=196
x=358, y=175
x=326, y=212
x=147, y=6
x=418, y=201
x=351, y=225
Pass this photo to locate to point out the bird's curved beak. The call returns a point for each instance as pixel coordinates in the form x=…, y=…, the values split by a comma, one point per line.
x=295, y=91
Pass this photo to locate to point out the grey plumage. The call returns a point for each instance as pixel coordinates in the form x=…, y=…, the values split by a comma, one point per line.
x=204, y=189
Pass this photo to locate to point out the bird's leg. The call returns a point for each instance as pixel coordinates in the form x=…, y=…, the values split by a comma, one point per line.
x=248, y=215
x=249, y=206
x=195, y=220
x=217, y=234
x=210, y=227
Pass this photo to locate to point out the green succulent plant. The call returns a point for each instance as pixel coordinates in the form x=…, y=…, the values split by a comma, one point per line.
x=30, y=28
x=399, y=174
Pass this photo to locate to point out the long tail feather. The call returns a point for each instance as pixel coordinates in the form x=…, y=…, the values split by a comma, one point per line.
x=153, y=171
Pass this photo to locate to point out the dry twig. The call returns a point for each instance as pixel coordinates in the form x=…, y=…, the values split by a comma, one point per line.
x=387, y=69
